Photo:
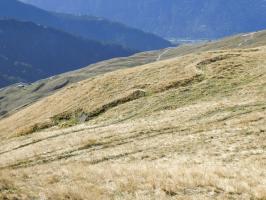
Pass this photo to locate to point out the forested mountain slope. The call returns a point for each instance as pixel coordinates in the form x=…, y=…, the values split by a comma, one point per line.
x=29, y=52
x=92, y=28
x=193, y=19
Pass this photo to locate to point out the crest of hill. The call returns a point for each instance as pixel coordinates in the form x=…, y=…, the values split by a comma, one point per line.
x=193, y=77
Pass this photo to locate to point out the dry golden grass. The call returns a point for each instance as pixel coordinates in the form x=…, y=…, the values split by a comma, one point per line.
x=94, y=93
x=183, y=72
x=160, y=180
x=192, y=127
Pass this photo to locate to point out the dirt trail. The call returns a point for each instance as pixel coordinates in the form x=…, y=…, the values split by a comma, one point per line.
x=163, y=53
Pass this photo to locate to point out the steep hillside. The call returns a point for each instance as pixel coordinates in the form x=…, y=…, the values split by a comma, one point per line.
x=30, y=52
x=88, y=27
x=14, y=98
x=171, y=18
x=187, y=127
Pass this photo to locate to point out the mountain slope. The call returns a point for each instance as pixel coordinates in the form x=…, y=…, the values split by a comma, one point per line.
x=187, y=127
x=97, y=92
x=88, y=27
x=173, y=19
x=29, y=52
x=14, y=98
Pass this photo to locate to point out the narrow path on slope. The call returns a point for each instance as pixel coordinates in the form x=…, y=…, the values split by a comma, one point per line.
x=163, y=53
x=249, y=36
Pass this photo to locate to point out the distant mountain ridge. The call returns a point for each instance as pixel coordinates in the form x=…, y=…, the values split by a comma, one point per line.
x=193, y=19
x=88, y=27
x=29, y=52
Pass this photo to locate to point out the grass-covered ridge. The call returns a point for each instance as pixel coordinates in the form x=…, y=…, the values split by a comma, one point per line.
x=14, y=98
x=153, y=87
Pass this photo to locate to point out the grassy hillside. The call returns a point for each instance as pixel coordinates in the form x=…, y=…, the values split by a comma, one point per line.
x=14, y=98
x=183, y=128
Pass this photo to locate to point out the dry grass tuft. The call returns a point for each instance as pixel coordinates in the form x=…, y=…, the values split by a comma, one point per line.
x=34, y=128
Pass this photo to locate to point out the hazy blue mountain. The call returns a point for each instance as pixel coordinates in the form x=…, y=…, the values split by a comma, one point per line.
x=29, y=52
x=87, y=27
x=173, y=18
